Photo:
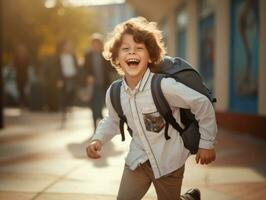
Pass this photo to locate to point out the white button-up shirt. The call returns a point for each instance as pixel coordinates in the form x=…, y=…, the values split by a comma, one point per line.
x=148, y=141
x=68, y=65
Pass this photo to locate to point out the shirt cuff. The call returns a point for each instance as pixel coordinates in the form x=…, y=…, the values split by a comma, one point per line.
x=98, y=137
x=206, y=144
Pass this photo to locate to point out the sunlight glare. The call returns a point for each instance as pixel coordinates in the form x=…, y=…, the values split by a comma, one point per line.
x=52, y=3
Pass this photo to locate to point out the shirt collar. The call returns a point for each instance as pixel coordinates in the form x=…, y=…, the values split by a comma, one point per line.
x=141, y=83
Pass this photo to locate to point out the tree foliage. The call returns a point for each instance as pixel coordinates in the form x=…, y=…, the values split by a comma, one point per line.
x=29, y=22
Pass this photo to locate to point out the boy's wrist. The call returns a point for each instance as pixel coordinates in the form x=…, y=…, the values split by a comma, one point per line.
x=96, y=140
x=206, y=144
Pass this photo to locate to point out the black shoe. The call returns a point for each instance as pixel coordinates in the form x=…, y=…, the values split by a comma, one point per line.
x=191, y=194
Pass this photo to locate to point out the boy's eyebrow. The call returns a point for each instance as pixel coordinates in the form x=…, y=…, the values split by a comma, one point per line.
x=124, y=44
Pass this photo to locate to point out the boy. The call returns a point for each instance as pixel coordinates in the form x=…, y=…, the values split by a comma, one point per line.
x=133, y=48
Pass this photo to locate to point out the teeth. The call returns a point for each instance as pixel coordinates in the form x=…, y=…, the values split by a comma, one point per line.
x=132, y=60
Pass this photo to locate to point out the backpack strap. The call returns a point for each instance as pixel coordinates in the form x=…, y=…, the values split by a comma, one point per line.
x=162, y=104
x=116, y=103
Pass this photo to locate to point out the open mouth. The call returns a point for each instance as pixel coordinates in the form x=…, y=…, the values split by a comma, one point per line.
x=133, y=62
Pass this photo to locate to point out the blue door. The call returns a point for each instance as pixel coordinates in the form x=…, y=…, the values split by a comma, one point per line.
x=244, y=58
x=206, y=49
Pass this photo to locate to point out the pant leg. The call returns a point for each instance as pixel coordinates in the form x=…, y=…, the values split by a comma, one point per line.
x=97, y=103
x=134, y=184
x=169, y=187
x=70, y=92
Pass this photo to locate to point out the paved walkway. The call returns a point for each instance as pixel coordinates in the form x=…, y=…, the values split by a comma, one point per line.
x=41, y=161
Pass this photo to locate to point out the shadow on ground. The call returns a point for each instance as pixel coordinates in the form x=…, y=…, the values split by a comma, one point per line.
x=78, y=150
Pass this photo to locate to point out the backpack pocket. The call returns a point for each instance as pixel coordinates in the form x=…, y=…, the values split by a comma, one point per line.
x=191, y=138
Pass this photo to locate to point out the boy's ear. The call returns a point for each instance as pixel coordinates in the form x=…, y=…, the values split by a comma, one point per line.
x=149, y=61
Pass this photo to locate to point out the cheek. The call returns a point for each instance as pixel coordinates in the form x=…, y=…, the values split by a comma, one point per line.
x=147, y=56
x=148, y=59
x=120, y=57
x=123, y=68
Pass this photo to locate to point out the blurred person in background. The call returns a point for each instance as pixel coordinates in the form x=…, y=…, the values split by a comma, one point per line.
x=11, y=94
x=98, y=74
x=67, y=71
x=21, y=64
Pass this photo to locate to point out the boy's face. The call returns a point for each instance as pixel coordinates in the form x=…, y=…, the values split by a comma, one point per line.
x=133, y=58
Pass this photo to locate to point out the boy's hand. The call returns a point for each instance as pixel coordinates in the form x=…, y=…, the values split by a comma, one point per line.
x=93, y=149
x=205, y=156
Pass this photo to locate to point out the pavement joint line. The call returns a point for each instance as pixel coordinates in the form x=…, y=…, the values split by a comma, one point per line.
x=57, y=180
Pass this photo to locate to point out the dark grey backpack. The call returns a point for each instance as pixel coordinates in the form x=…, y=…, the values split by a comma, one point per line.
x=181, y=71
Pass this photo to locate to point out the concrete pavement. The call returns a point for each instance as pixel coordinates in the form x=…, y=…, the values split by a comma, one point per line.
x=39, y=160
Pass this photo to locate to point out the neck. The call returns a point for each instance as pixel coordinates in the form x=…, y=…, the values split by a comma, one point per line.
x=131, y=82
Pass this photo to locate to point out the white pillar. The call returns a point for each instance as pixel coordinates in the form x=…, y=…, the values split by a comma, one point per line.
x=222, y=59
x=192, y=33
x=262, y=58
x=171, y=40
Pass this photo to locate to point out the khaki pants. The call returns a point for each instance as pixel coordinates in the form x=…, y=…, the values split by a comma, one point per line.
x=135, y=184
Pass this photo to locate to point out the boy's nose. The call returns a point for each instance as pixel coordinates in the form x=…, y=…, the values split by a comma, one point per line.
x=132, y=51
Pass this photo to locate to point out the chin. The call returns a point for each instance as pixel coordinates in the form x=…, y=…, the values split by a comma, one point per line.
x=132, y=70
x=133, y=74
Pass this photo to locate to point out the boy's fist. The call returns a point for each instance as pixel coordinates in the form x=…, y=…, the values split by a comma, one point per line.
x=93, y=149
x=205, y=156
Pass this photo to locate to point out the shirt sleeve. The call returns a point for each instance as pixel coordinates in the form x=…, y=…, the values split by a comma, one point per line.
x=181, y=96
x=109, y=126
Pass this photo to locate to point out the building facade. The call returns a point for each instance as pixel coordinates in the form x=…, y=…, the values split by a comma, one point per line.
x=109, y=15
x=226, y=41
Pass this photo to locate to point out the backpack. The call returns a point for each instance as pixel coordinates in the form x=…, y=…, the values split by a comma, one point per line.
x=183, y=72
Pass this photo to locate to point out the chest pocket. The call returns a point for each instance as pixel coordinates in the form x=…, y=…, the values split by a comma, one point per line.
x=153, y=121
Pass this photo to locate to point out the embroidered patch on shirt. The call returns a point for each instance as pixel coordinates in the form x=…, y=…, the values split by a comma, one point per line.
x=154, y=122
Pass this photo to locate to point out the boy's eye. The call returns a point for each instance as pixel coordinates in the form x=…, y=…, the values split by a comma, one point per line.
x=140, y=47
x=124, y=48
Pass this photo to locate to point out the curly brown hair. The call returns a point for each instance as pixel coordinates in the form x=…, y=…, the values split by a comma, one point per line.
x=142, y=31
